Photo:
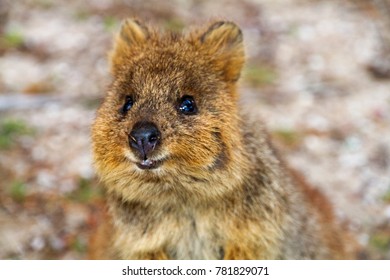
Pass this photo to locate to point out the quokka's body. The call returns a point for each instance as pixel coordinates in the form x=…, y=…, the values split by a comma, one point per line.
x=187, y=174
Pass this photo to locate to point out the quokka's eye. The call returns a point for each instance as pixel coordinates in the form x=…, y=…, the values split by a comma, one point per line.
x=128, y=104
x=187, y=105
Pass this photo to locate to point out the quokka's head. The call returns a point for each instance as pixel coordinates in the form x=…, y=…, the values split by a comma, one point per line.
x=170, y=115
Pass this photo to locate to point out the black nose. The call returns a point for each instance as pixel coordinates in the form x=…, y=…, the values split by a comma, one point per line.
x=144, y=138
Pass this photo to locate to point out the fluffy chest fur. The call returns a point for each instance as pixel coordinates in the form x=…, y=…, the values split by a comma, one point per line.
x=178, y=232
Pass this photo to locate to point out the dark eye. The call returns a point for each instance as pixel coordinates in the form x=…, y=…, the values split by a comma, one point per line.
x=128, y=104
x=187, y=105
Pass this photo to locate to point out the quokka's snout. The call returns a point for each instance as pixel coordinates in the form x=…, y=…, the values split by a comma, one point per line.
x=144, y=139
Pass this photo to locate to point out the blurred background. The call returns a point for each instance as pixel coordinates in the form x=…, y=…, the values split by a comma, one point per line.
x=317, y=73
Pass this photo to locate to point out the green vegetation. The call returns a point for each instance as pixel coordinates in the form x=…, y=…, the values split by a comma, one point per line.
x=11, y=39
x=86, y=191
x=259, y=75
x=79, y=245
x=10, y=130
x=386, y=196
x=18, y=191
x=110, y=23
x=287, y=137
x=44, y=4
x=381, y=241
x=174, y=25
x=81, y=15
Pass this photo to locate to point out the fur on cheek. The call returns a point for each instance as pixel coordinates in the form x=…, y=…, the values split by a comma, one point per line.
x=195, y=152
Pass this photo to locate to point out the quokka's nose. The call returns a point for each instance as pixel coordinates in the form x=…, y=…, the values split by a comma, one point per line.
x=144, y=138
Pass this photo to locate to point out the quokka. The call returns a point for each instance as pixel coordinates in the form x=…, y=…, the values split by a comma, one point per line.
x=187, y=174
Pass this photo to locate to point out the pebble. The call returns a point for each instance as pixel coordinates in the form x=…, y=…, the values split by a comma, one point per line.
x=37, y=243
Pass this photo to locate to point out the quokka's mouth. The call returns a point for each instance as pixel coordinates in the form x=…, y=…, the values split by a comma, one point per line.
x=149, y=164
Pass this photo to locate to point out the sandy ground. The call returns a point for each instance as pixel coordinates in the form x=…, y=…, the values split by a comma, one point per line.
x=307, y=77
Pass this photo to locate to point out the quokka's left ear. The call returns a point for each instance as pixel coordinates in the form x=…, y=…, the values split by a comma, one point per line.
x=224, y=40
x=132, y=34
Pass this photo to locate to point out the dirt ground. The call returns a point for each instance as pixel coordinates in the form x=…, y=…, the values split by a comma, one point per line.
x=317, y=74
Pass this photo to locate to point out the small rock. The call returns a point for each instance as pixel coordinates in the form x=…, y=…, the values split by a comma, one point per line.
x=38, y=243
x=57, y=243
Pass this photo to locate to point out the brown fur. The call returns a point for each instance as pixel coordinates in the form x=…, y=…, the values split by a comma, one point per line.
x=221, y=192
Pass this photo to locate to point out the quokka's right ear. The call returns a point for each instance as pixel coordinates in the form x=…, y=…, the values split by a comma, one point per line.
x=132, y=34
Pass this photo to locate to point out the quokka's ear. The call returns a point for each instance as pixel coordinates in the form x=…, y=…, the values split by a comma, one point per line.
x=132, y=33
x=224, y=40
